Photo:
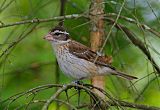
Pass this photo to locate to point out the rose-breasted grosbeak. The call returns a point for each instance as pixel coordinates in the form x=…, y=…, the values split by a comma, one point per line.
x=78, y=61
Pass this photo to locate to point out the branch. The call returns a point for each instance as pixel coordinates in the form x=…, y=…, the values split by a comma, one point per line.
x=33, y=90
x=134, y=105
x=97, y=36
x=3, y=6
x=125, y=104
x=32, y=102
x=112, y=102
x=62, y=11
x=87, y=88
x=137, y=42
x=49, y=101
x=20, y=38
x=131, y=20
x=144, y=88
x=37, y=20
x=74, y=16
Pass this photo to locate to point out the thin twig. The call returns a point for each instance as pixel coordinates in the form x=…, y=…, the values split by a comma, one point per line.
x=137, y=42
x=2, y=8
x=20, y=38
x=36, y=89
x=109, y=33
x=134, y=105
x=88, y=88
x=37, y=20
x=46, y=105
x=131, y=20
x=144, y=89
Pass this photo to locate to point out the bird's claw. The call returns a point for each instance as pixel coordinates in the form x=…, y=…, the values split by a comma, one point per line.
x=77, y=82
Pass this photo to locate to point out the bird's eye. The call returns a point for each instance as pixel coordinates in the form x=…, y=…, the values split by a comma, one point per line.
x=57, y=33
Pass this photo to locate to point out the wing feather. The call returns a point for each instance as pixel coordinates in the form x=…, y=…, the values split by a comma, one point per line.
x=84, y=52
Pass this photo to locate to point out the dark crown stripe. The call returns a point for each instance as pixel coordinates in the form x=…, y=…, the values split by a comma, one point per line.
x=60, y=28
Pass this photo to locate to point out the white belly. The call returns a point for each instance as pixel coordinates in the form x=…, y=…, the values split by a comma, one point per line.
x=73, y=67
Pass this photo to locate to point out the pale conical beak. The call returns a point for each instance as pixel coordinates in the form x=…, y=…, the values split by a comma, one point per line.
x=48, y=37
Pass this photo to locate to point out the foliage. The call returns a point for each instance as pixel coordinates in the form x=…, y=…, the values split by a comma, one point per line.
x=27, y=61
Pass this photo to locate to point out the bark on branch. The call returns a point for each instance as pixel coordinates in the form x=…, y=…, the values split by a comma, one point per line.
x=97, y=36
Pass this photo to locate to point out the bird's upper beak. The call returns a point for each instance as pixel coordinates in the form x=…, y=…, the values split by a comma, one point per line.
x=48, y=37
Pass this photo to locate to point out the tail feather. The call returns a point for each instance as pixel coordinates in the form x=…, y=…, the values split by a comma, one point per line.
x=123, y=75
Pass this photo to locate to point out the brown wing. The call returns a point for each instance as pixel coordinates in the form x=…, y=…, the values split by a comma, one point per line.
x=86, y=53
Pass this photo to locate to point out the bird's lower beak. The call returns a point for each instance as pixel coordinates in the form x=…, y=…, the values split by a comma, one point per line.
x=48, y=37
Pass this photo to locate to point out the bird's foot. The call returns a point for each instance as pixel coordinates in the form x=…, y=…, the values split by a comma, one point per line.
x=78, y=82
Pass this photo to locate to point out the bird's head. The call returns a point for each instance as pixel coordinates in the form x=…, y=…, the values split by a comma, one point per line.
x=58, y=35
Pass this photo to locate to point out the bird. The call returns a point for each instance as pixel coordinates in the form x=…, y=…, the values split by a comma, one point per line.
x=78, y=61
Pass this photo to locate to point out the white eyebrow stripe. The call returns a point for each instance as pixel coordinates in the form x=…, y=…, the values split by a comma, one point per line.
x=60, y=32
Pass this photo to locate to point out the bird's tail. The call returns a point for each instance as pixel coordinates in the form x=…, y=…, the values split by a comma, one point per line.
x=123, y=75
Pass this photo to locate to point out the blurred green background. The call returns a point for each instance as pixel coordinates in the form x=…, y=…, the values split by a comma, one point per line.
x=31, y=62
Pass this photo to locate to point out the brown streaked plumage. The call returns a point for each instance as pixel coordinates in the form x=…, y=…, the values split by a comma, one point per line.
x=77, y=60
x=82, y=51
